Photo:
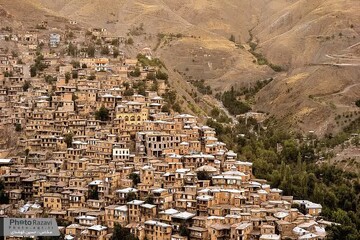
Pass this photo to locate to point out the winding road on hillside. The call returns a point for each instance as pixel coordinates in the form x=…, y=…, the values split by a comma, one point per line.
x=345, y=90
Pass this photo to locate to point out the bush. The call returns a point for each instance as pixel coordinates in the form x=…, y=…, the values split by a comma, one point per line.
x=18, y=127
x=162, y=75
x=33, y=71
x=75, y=64
x=91, y=51
x=130, y=41
x=128, y=92
x=72, y=50
x=26, y=86
x=8, y=74
x=50, y=79
x=116, y=53
x=176, y=107
x=68, y=139
x=203, y=175
x=75, y=74
x=67, y=77
x=357, y=103
x=135, y=178
x=105, y=50
x=151, y=76
x=276, y=68
x=91, y=77
x=235, y=107
x=201, y=87
x=135, y=73
x=102, y=114
x=215, y=112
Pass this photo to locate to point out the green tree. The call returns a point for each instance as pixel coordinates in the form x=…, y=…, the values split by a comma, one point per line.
x=67, y=77
x=115, y=42
x=105, y=50
x=135, y=73
x=170, y=97
x=290, y=150
x=215, y=112
x=130, y=196
x=203, y=175
x=75, y=74
x=135, y=178
x=161, y=75
x=357, y=103
x=128, y=92
x=33, y=71
x=130, y=41
x=8, y=74
x=176, y=107
x=116, y=53
x=183, y=230
x=151, y=76
x=342, y=232
x=102, y=114
x=91, y=77
x=26, y=86
x=165, y=108
x=91, y=51
x=72, y=50
x=4, y=199
x=234, y=106
x=94, y=193
x=18, y=127
x=122, y=233
x=68, y=138
x=49, y=79
x=149, y=199
x=75, y=64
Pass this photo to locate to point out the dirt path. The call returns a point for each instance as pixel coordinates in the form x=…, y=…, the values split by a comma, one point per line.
x=223, y=108
x=345, y=90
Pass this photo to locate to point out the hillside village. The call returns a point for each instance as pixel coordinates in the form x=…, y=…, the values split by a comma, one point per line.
x=98, y=141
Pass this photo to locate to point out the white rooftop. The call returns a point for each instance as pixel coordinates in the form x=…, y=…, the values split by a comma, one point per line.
x=169, y=211
x=184, y=215
x=136, y=202
x=97, y=228
x=269, y=237
x=160, y=224
x=126, y=190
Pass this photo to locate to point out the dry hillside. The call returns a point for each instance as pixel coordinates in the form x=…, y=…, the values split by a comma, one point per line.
x=315, y=41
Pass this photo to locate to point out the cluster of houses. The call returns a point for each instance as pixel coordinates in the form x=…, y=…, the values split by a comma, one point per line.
x=161, y=175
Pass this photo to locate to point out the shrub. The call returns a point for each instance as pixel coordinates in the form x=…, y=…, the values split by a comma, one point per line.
x=102, y=114
x=135, y=73
x=357, y=103
x=18, y=127
x=130, y=41
x=26, y=86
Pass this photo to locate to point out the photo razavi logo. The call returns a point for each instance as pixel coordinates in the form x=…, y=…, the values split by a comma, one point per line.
x=27, y=227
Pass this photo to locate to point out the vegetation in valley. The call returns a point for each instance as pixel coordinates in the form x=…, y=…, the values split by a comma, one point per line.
x=292, y=163
x=231, y=102
x=201, y=87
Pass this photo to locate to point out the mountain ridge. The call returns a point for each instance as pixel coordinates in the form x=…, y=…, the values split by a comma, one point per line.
x=305, y=38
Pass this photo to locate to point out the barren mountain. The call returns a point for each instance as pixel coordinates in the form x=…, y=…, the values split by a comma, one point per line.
x=314, y=41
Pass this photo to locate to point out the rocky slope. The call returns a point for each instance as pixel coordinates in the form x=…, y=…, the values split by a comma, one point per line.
x=314, y=41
